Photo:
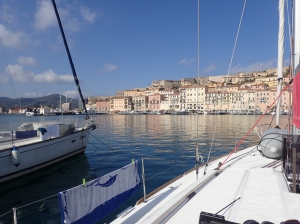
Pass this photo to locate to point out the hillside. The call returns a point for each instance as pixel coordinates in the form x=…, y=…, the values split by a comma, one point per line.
x=50, y=100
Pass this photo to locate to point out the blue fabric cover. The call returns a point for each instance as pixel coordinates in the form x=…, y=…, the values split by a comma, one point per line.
x=90, y=203
x=26, y=134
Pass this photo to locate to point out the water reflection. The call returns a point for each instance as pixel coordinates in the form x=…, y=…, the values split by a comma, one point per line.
x=163, y=140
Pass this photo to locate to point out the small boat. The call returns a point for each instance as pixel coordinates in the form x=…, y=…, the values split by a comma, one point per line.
x=257, y=112
x=180, y=112
x=242, y=112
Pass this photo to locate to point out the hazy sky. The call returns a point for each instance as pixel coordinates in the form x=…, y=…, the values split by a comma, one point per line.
x=126, y=44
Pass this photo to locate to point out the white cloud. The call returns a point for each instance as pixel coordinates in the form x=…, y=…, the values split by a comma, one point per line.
x=45, y=16
x=210, y=68
x=18, y=73
x=50, y=77
x=87, y=14
x=186, y=62
x=33, y=94
x=257, y=66
x=13, y=39
x=29, y=61
x=109, y=68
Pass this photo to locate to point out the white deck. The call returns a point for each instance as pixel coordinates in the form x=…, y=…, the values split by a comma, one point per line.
x=263, y=191
x=19, y=142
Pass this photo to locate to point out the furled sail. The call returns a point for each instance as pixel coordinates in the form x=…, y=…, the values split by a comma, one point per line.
x=296, y=101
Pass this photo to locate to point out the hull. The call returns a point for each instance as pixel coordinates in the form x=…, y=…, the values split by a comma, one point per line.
x=256, y=182
x=39, y=154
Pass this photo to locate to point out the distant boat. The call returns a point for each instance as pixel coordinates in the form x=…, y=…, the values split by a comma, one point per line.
x=180, y=112
x=257, y=112
x=242, y=112
x=29, y=114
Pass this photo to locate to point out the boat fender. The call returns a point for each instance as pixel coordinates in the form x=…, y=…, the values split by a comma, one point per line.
x=15, y=156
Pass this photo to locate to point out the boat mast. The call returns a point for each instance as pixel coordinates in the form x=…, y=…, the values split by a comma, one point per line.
x=280, y=57
x=70, y=58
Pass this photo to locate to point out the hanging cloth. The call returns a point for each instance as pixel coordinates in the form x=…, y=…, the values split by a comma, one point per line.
x=99, y=197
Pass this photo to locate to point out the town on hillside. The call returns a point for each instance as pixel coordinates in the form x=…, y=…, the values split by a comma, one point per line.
x=252, y=91
x=249, y=92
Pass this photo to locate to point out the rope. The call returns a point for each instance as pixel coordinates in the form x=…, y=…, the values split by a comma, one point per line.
x=5, y=213
x=242, y=140
x=37, y=201
x=237, y=35
x=30, y=204
x=100, y=141
x=167, y=169
x=212, y=141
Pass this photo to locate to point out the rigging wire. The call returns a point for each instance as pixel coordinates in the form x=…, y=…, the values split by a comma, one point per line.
x=197, y=92
x=17, y=95
x=236, y=38
x=8, y=69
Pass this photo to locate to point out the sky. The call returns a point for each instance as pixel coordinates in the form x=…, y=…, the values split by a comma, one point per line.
x=122, y=45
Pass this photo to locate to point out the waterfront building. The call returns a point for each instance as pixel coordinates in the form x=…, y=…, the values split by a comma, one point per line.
x=14, y=110
x=182, y=98
x=285, y=99
x=140, y=103
x=103, y=106
x=1, y=111
x=45, y=110
x=248, y=99
x=155, y=101
x=212, y=101
x=195, y=97
x=120, y=103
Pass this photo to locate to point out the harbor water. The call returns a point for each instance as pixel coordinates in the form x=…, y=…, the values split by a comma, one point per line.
x=166, y=142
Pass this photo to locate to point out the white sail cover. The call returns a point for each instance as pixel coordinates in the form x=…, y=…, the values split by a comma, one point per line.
x=280, y=56
x=90, y=203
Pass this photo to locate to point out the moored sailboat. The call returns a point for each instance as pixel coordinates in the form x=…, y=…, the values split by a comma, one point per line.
x=259, y=184
x=27, y=147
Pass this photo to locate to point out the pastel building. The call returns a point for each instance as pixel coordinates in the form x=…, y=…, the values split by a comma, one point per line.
x=195, y=97
x=155, y=101
x=121, y=103
x=140, y=103
x=103, y=105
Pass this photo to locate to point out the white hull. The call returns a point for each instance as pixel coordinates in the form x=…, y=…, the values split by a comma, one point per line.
x=258, y=181
x=36, y=154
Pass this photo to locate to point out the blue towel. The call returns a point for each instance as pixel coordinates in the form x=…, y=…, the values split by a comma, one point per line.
x=90, y=203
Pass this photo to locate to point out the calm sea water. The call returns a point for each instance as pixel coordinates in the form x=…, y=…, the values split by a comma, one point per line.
x=165, y=141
